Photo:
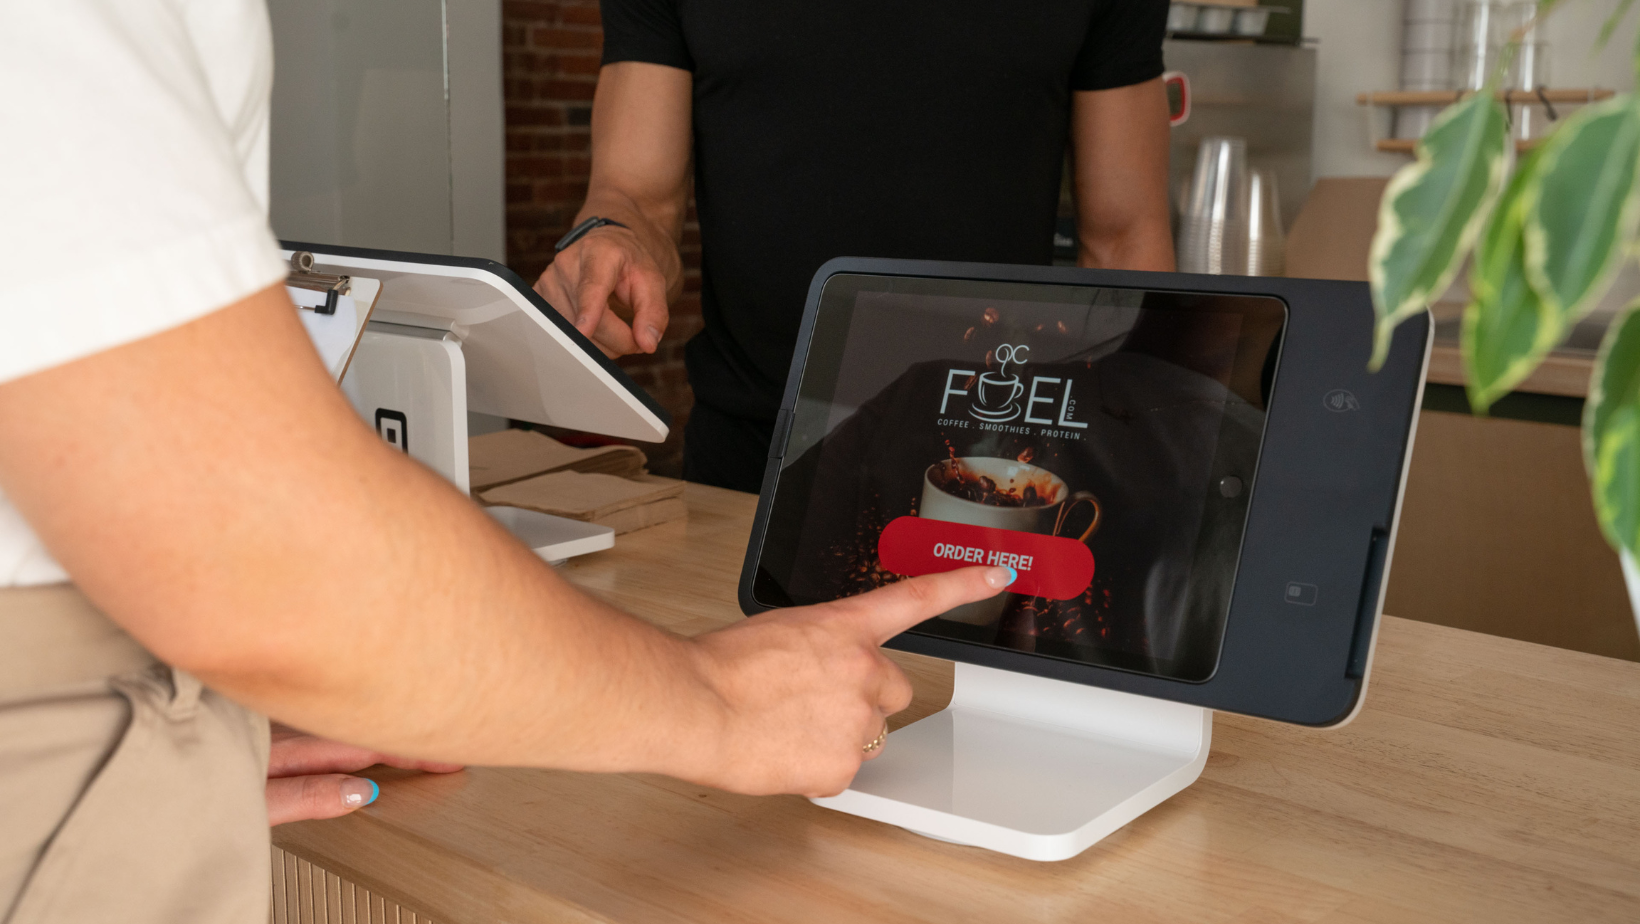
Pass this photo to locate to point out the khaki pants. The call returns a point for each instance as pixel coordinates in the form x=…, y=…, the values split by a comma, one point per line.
x=128, y=793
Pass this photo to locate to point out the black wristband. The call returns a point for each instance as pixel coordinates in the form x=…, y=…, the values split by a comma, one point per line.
x=580, y=231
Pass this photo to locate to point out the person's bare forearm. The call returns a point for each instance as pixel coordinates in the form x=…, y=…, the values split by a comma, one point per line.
x=315, y=574
x=657, y=223
x=1144, y=246
x=1120, y=144
x=210, y=488
x=640, y=158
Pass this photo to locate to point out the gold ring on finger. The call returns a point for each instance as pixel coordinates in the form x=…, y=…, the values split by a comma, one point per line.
x=877, y=742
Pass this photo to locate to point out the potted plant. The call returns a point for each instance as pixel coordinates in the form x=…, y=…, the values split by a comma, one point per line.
x=1545, y=244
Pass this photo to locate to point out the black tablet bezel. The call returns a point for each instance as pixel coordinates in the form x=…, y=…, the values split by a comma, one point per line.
x=1324, y=503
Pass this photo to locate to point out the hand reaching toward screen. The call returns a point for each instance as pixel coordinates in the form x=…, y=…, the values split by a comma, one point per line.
x=602, y=280
x=308, y=776
x=807, y=688
x=800, y=694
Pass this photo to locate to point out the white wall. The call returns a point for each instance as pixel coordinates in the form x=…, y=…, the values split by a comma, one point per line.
x=1359, y=50
x=387, y=125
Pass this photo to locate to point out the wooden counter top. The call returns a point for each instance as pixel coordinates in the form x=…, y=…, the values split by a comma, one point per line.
x=1486, y=780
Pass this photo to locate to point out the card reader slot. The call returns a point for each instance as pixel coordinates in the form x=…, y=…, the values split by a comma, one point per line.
x=1366, y=609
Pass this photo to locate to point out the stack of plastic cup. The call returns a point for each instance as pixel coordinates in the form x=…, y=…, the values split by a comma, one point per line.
x=1477, y=41
x=1214, y=228
x=1426, y=59
x=1266, y=241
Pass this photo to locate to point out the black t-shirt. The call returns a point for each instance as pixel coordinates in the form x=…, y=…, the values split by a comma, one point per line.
x=919, y=129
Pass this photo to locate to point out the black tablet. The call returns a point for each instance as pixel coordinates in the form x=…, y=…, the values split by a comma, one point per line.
x=1196, y=477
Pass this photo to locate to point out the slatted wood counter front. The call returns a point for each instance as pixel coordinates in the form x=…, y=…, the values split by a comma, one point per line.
x=1486, y=780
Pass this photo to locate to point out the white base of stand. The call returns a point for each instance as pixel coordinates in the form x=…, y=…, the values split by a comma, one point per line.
x=553, y=538
x=1040, y=769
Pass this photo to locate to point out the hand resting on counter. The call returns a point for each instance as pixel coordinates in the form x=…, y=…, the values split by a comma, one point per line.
x=308, y=776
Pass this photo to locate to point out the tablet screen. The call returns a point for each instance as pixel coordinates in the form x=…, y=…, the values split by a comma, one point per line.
x=1103, y=442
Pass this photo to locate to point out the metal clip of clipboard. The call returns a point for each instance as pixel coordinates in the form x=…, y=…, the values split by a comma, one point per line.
x=326, y=286
x=334, y=309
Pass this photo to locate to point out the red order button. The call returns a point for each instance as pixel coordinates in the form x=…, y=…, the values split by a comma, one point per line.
x=1049, y=566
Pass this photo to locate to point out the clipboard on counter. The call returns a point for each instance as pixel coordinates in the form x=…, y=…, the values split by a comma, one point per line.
x=334, y=309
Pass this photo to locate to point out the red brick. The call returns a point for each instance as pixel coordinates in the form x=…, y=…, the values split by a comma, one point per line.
x=539, y=10
x=565, y=89
x=526, y=62
x=549, y=37
x=583, y=65
x=581, y=16
x=550, y=165
x=534, y=115
x=561, y=190
x=525, y=141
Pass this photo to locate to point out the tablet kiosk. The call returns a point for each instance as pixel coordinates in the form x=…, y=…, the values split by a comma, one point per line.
x=455, y=334
x=1196, y=477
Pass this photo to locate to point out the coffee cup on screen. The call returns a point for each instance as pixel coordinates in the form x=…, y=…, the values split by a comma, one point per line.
x=998, y=392
x=999, y=494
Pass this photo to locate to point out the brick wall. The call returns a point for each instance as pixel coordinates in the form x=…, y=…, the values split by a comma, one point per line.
x=550, y=53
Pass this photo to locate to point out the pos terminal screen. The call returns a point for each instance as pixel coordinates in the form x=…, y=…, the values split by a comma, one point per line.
x=1103, y=442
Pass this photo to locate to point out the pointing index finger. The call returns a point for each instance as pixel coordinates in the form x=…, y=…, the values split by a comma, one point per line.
x=888, y=611
x=592, y=292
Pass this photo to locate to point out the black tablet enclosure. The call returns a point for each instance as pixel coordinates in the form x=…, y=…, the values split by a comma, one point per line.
x=1196, y=476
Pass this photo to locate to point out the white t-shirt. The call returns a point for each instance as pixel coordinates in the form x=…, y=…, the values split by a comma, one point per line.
x=133, y=184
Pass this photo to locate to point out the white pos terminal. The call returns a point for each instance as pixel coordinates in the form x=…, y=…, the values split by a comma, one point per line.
x=448, y=335
x=1197, y=479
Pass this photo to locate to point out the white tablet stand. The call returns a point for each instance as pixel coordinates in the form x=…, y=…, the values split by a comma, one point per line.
x=1040, y=769
x=411, y=384
x=410, y=378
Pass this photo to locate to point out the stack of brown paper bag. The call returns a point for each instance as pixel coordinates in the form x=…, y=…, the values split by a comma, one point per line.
x=495, y=459
x=607, y=485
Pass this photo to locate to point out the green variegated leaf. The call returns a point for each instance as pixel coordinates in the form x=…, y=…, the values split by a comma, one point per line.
x=1616, y=479
x=1611, y=24
x=1507, y=330
x=1611, y=433
x=1433, y=209
x=1577, y=231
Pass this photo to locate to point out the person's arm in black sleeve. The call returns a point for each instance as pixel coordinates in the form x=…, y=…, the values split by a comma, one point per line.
x=649, y=31
x=1119, y=138
x=615, y=283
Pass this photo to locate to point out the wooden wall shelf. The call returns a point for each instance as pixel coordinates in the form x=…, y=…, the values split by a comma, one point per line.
x=1405, y=145
x=1446, y=97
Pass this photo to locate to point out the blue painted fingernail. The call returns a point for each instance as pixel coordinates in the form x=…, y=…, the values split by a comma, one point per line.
x=1012, y=576
x=358, y=792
